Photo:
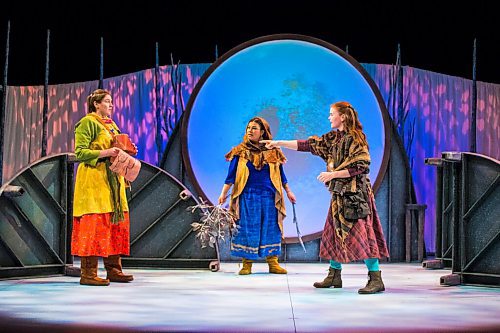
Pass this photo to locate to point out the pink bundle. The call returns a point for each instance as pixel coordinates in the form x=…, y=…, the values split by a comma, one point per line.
x=125, y=165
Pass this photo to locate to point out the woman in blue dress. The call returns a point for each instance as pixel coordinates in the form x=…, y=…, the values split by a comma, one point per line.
x=258, y=180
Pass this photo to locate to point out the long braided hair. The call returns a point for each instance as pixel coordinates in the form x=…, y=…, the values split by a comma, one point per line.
x=352, y=125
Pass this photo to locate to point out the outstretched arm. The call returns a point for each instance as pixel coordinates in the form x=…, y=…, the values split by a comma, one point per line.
x=290, y=144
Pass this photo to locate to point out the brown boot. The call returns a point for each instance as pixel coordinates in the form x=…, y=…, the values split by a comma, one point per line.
x=89, y=273
x=374, y=285
x=332, y=280
x=113, y=266
x=274, y=267
x=247, y=267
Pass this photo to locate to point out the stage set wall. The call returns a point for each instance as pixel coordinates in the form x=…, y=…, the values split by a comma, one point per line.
x=438, y=111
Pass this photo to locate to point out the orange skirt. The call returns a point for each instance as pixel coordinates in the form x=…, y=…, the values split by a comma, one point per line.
x=96, y=235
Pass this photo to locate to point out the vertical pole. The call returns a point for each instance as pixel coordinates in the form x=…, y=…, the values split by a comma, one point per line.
x=101, y=65
x=408, y=214
x=46, y=97
x=158, y=106
x=472, y=135
x=420, y=236
x=4, y=101
x=400, y=106
x=456, y=263
x=439, y=212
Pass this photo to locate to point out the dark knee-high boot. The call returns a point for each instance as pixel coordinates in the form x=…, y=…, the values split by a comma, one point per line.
x=374, y=285
x=89, y=272
x=333, y=279
x=113, y=266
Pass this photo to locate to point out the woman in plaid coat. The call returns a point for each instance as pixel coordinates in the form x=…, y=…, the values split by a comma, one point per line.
x=352, y=230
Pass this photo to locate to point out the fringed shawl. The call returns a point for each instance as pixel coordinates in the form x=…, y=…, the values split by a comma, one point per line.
x=341, y=152
x=259, y=157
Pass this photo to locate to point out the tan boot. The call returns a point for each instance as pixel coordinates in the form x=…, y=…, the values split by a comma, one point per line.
x=332, y=280
x=274, y=267
x=247, y=267
x=374, y=285
x=113, y=266
x=89, y=273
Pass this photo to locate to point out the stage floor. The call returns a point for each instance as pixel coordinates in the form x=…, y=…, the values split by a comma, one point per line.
x=195, y=300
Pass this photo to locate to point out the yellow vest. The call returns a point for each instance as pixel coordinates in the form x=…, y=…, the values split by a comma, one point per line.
x=242, y=174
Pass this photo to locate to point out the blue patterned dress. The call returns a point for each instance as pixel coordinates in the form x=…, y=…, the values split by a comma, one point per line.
x=259, y=234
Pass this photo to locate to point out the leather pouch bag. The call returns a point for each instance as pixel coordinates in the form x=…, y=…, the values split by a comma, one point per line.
x=123, y=142
x=354, y=203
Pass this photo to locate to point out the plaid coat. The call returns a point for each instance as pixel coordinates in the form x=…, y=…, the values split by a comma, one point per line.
x=345, y=239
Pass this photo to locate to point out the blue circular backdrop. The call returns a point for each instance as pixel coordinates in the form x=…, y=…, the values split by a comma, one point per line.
x=291, y=83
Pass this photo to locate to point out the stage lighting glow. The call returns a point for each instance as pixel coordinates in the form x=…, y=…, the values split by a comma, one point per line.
x=290, y=82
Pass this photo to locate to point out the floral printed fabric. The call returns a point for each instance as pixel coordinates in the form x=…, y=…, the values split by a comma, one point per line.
x=96, y=235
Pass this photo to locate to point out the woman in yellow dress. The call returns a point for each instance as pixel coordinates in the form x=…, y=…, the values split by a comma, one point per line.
x=101, y=226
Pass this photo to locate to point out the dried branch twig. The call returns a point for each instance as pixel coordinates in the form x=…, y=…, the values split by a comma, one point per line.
x=215, y=222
